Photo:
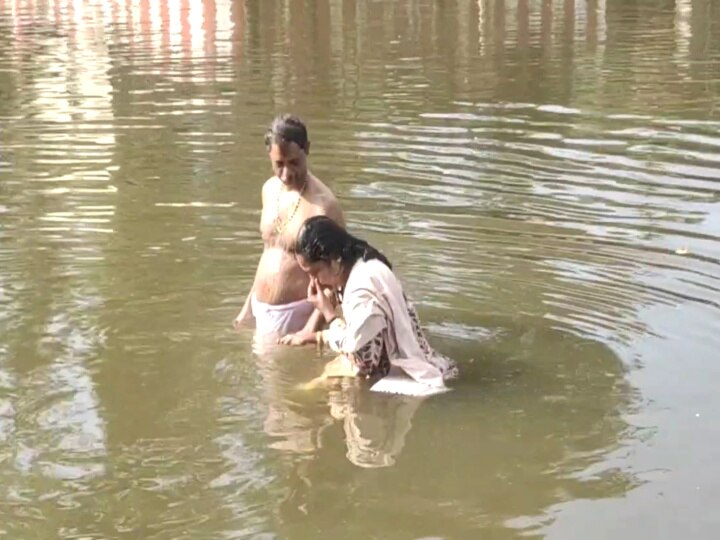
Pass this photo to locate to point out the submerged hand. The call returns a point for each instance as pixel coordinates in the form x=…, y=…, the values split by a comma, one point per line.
x=297, y=339
x=242, y=319
x=340, y=366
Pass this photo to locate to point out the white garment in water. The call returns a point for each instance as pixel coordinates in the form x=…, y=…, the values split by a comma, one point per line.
x=280, y=319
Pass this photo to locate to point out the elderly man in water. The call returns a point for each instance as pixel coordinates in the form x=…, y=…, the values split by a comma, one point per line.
x=277, y=301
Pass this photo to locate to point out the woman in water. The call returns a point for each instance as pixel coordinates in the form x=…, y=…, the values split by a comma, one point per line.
x=375, y=328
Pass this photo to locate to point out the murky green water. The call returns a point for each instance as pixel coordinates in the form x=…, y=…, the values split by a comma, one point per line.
x=545, y=175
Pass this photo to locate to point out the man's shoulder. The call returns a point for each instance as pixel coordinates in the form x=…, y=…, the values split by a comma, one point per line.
x=323, y=195
x=271, y=184
x=271, y=188
x=328, y=205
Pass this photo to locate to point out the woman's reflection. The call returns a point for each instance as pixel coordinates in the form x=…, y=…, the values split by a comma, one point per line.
x=532, y=424
x=375, y=424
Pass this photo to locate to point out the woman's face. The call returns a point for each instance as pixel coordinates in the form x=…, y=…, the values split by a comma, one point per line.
x=328, y=274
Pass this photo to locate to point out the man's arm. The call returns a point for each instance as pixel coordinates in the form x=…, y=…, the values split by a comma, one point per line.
x=246, y=313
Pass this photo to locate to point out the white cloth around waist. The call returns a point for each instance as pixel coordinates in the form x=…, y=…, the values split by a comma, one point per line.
x=281, y=319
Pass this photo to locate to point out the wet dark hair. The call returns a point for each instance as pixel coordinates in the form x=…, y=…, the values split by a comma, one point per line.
x=321, y=239
x=286, y=128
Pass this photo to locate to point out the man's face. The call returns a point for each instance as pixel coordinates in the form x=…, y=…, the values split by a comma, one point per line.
x=289, y=163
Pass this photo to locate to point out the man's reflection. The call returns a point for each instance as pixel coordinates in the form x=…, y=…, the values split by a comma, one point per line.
x=293, y=421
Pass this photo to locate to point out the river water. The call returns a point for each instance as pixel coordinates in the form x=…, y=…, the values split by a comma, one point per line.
x=545, y=176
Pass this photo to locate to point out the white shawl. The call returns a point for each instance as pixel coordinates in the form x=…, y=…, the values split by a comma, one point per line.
x=373, y=301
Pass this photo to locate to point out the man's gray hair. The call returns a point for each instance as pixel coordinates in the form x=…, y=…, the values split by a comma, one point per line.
x=286, y=128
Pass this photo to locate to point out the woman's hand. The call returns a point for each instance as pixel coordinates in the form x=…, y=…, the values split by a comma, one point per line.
x=323, y=302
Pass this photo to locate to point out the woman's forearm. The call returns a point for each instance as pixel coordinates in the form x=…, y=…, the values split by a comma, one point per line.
x=348, y=336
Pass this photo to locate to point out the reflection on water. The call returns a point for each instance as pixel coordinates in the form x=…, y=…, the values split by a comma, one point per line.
x=297, y=418
x=466, y=464
x=375, y=426
x=542, y=173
